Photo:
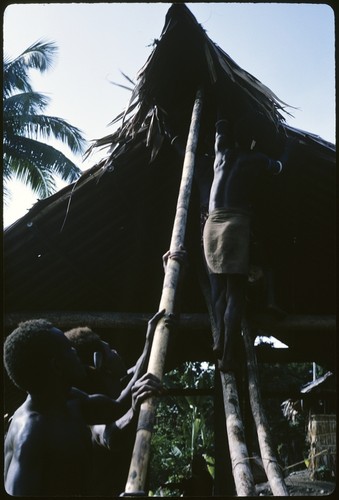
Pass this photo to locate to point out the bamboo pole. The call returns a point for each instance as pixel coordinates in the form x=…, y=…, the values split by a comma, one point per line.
x=241, y=470
x=242, y=473
x=273, y=470
x=140, y=457
x=223, y=474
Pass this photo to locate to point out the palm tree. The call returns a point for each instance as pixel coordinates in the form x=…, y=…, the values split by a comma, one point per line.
x=25, y=157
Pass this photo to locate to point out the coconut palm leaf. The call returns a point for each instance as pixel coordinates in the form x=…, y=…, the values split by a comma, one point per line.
x=39, y=55
x=24, y=103
x=25, y=126
x=46, y=127
x=22, y=155
x=29, y=171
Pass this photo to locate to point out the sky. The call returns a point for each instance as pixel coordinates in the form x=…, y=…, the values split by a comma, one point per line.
x=288, y=47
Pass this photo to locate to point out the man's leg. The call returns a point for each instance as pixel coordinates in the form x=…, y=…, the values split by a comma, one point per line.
x=233, y=348
x=218, y=295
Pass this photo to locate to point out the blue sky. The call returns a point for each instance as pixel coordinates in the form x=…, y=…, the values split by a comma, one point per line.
x=289, y=47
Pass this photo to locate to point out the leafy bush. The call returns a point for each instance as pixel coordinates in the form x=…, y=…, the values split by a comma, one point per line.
x=183, y=429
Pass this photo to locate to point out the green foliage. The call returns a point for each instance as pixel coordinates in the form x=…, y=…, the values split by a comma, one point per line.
x=25, y=157
x=185, y=424
x=184, y=427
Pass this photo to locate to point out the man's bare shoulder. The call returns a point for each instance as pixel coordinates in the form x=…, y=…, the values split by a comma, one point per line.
x=27, y=423
x=26, y=436
x=25, y=449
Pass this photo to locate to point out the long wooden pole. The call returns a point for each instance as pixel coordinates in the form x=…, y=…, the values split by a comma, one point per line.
x=140, y=457
x=188, y=321
x=272, y=468
x=241, y=469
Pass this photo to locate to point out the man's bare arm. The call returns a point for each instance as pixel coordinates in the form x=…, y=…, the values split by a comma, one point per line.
x=100, y=409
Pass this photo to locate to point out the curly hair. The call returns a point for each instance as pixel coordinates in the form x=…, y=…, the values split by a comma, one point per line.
x=106, y=379
x=86, y=342
x=27, y=352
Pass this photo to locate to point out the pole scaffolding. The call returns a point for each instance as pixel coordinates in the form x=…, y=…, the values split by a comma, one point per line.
x=241, y=469
x=139, y=463
x=239, y=456
x=272, y=468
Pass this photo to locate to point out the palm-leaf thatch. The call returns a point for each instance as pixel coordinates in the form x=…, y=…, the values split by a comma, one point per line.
x=163, y=96
x=103, y=237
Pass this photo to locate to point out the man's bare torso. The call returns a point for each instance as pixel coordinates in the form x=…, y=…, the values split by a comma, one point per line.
x=236, y=176
x=52, y=449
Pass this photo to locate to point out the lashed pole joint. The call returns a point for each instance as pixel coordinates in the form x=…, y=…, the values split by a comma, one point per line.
x=140, y=457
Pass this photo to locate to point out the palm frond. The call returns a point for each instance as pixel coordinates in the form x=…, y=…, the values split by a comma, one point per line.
x=20, y=117
x=24, y=103
x=26, y=153
x=39, y=55
x=199, y=61
x=47, y=127
x=128, y=78
x=26, y=170
x=120, y=85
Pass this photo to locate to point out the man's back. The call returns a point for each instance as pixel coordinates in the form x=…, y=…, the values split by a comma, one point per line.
x=48, y=451
x=237, y=175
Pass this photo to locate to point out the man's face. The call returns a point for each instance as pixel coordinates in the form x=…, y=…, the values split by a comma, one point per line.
x=111, y=370
x=73, y=369
x=112, y=361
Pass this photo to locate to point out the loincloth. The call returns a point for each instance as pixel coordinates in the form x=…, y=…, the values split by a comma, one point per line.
x=226, y=241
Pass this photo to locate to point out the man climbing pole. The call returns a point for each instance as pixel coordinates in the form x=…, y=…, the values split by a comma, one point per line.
x=239, y=170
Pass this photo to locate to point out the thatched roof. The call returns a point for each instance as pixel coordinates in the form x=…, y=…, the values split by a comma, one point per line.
x=97, y=244
x=162, y=100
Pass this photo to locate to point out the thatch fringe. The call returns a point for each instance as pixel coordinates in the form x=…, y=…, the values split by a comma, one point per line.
x=202, y=60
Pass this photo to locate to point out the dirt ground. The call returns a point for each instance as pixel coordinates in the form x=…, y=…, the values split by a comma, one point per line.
x=299, y=484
